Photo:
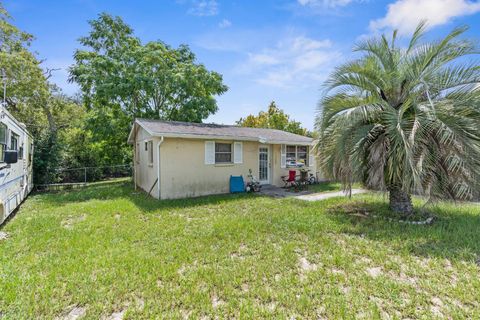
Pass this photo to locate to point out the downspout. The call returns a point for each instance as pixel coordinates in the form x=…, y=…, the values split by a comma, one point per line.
x=158, y=166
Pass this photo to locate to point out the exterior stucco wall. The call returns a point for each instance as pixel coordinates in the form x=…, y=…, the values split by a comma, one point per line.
x=277, y=169
x=145, y=173
x=185, y=174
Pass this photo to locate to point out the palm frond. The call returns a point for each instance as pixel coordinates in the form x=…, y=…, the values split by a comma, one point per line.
x=407, y=118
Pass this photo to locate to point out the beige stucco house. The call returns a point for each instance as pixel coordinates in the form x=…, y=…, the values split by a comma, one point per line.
x=181, y=159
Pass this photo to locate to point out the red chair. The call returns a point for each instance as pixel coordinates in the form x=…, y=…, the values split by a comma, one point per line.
x=292, y=179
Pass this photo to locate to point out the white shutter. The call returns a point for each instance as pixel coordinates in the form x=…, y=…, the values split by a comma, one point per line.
x=283, y=156
x=209, y=152
x=237, y=152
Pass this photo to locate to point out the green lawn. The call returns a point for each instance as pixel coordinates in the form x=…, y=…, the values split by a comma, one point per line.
x=106, y=250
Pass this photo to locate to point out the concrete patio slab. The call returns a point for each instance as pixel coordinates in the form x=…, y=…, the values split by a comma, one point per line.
x=277, y=192
x=327, y=195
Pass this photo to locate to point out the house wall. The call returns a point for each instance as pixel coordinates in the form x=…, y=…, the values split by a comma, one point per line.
x=145, y=173
x=183, y=172
x=277, y=169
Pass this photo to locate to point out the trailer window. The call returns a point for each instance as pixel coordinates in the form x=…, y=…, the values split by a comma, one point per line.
x=3, y=141
x=14, y=141
x=30, y=154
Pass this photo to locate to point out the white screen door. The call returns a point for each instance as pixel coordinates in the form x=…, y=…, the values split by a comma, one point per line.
x=263, y=165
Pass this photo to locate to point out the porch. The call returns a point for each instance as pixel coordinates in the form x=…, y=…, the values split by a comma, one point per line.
x=312, y=194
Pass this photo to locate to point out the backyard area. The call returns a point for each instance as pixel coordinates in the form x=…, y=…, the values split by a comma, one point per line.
x=109, y=252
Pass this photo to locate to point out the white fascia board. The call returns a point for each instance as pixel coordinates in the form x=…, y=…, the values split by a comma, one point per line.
x=219, y=137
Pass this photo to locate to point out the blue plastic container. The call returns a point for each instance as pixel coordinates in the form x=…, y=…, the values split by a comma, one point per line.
x=236, y=184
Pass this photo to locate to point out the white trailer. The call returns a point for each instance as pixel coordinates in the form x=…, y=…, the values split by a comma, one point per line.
x=16, y=162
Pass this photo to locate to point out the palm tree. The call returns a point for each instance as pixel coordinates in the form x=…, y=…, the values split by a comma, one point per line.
x=405, y=119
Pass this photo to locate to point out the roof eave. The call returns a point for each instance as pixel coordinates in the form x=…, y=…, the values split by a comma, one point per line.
x=222, y=137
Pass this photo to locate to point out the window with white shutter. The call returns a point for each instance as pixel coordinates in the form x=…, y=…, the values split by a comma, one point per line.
x=238, y=152
x=209, y=152
x=297, y=156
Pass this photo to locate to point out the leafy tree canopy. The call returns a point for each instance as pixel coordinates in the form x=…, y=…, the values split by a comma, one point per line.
x=151, y=80
x=273, y=118
x=405, y=119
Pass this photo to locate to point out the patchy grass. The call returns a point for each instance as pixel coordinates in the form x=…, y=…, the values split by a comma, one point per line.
x=106, y=251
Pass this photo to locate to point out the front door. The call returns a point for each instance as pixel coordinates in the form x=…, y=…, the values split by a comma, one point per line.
x=264, y=164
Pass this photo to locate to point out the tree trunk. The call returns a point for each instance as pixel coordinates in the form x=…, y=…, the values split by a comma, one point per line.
x=400, y=201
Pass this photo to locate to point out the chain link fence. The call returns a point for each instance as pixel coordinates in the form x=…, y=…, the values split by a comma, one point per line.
x=68, y=178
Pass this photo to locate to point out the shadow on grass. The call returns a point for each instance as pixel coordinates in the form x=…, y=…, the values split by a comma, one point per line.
x=454, y=235
x=123, y=189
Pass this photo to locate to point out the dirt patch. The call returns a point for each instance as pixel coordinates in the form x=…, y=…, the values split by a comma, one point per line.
x=424, y=263
x=403, y=278
x=305, y=265
x=448, y=265
x=337, y=271
x=3, y=235
x=345, y=289
x=271, y=306
x=69, y=222
x=117, y=315
x=355, y=208
x=240, y=252
x=217, y=302
x=364, y=260
x=73, y=313
x=181, y=270
x=436, y=308
x=186, y=314
x=139, y=303
x=374, y=272
x=360, y=209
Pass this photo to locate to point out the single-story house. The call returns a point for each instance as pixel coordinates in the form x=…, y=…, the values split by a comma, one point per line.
x=182, y=159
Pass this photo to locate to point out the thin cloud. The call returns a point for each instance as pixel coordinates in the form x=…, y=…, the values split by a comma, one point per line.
x=203, y=8
x=225, y=23
x=297, y=61
x=325, y=3
x=405, y=15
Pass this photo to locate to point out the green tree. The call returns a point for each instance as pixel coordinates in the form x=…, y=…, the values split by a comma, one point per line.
x=26, y=84
x=273, y=118
x=405, y=120
x=121, y=79
x=47, y=113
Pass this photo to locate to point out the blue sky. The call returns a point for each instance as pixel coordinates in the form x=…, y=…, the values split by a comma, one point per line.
x=266, y=50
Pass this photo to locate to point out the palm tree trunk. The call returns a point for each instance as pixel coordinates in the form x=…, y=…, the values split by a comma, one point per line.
x=400, y=201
